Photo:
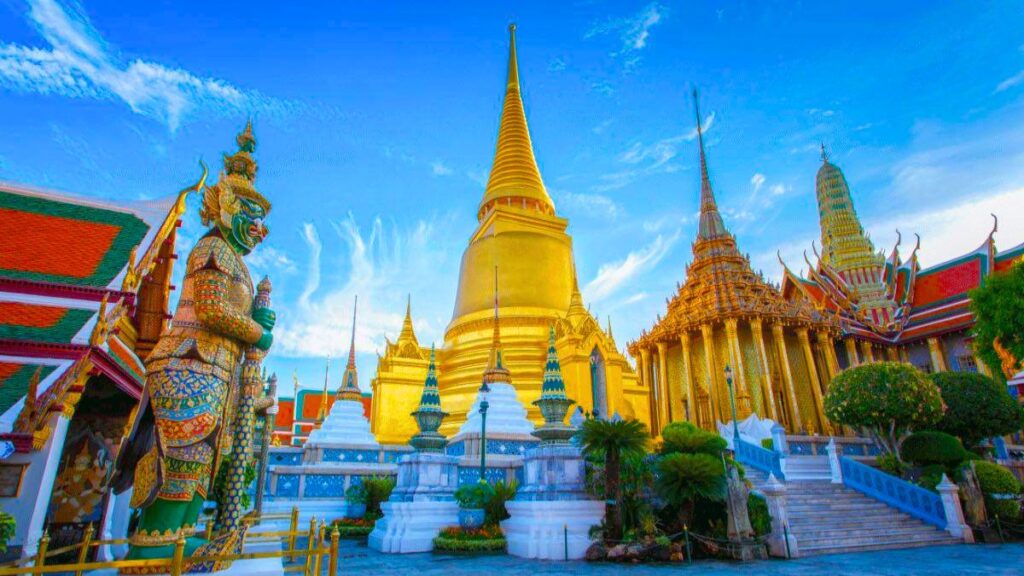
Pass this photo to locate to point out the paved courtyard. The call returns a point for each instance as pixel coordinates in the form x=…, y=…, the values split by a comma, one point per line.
x=991, y=560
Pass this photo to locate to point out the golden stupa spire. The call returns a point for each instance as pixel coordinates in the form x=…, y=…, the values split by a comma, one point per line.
x=322, y=412
x=515, y=178
x=349, y=389
x=407, y=333
x=495, y=359
x=711, y=225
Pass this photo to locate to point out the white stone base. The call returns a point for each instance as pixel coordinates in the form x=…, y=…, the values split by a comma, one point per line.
x=537, y=529
x=326, y=510
x=412, y=526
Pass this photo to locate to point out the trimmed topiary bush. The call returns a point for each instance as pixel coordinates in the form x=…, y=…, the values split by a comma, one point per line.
x=685, y=438
x=931, y=447
x=888, y=399
x=1001, y=490
x=378, y=490
x=977, y=407
x=474, y=496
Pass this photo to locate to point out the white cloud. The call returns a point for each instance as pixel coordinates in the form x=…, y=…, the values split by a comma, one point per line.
x=1010, y=82
x=646, y=159
x=556, y=65
x=602, y=127
x=757, y=180
x=439, y=168
x=593, y=205
x=612, y=276
x=633, y=31
x=81, y=64
x=778, y=189
x=270, y=259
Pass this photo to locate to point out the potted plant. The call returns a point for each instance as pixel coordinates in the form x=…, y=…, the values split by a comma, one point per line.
x=355, y=496
x=472, y=499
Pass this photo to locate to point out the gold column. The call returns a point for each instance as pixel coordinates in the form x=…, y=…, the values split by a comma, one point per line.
x=766, y=372
x=831, y=362
x=892, y=353
x=815, y=382
x=851, y=351
x=787, y=375
x=645, y=379
x=938, y=358
x=740, y=375
x=904, y=354
x=866, y=352
x=665, y=402
x=707, y=334
x=691, y=398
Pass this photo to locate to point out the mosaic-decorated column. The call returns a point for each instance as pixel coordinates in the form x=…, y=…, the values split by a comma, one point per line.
x=812, y=370
x=892, y=354
x=938, y=357
x=825, y=343
x=787, y=375
x=851, y=351
x=904, y=354
x=736, y=358
x=707, y=334
x=867, y=352
x=691, y=397
x=645, y=380
x=665, y=401
x=762, y=356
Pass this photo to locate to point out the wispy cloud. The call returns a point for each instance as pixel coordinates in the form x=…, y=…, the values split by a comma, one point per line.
x=633, y=30
x=438, y=168
x=79, y=63
x=593, y=205
x=613, y=276
x=556, y=65
x=645, y=159
x=1010, y=82
x=757, y=180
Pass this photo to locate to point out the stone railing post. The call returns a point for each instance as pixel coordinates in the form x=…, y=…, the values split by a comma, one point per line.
x=781, y=542
x=833, y=461
x=955, y=524
x=779, y=443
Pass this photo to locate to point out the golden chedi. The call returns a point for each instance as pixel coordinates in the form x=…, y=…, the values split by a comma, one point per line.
x=521, y=234
x=779, y=353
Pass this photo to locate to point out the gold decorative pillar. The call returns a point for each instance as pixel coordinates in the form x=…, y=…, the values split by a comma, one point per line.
x=866, y=352
x=892, y=353
x=768, y=401
x=691, y=398
x=831, y=362
x=815, y=382
x=707, y=334
x=787, y=375
x=646, y=380
x=740, y=375
x=665, y=401
x=904, y=354
x=938, y=357
x=851, y=351
x=982, y=367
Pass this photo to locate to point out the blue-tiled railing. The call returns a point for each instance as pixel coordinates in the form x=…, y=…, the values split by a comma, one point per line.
x=920, y=503
x=763, y=459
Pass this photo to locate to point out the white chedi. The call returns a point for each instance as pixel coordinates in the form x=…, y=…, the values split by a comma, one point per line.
x=346, y=424
x=505, y=413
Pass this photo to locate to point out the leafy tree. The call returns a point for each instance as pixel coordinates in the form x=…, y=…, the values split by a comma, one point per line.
x=889, y=399
x=614, y=440
x=682, y=478
x=685, y=438
x=977, y=407
x=930, y=447
x=999, y=313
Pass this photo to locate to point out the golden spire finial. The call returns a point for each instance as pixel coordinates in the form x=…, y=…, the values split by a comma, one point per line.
x=495, y=360
x=322, y=412
x=514, y=174
x=711, y=225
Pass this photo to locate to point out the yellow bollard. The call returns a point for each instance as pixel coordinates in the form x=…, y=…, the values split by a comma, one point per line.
x=209, y=529
x=293, y=528
x=319, y=546
x=83, y=554
x=44, y=543
x=311, y=542
x=332, y=563
x=179, y=556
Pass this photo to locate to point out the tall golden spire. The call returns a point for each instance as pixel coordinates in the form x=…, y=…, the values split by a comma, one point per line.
x=514, y=178
x=349, y=389
x=408, y=334
x=711, y=225
x=495, y=359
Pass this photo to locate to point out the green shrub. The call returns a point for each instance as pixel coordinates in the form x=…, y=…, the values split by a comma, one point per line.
x=495, y=507
x=977, y=407
x=767, y=444
x=356, y=494
x=8, y=525
x=685, y=438
x=889, y=399
x=930, y=447
x=474, y=496
x=378, y=490
x=995, y=481
x=485, y=539
x=760, y=518
x=891, y=465
x=999, y=314
x=931, y=475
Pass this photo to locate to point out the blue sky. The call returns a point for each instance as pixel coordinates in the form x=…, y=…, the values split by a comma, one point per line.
x=376, y=129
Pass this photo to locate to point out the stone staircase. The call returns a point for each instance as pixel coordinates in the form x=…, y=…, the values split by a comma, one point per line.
x=830, y=518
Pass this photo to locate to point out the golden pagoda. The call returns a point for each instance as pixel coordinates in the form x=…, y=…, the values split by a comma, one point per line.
x=779, y=353
x=520, y=233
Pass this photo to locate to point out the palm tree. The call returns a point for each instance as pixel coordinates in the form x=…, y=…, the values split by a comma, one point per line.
x=682, y=478
x=614, y=440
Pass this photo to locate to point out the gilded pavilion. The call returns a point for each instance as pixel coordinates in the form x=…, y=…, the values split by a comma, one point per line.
x=521, y=234
x=779, y=352
x=888, y=307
